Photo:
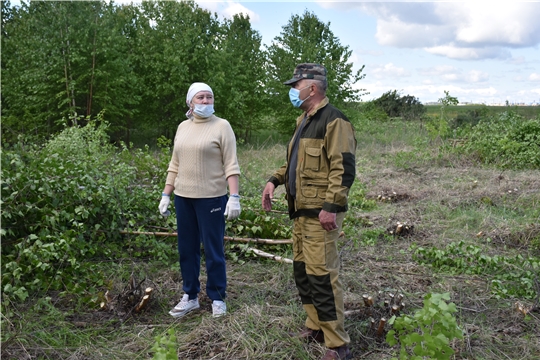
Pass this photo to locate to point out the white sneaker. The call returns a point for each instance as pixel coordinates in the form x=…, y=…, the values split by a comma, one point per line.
x=219, y=308
x=184, y=306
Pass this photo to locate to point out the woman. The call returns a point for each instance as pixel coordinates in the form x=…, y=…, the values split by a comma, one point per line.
x=203, y=163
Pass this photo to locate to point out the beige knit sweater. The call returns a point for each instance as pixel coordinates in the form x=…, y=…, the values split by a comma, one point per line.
x=204, y=156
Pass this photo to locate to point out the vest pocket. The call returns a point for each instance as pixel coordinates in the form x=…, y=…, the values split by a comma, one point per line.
x=314, y=191
x=312, y=159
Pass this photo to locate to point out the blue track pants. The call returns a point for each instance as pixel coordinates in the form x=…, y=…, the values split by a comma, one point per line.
x=202, y=221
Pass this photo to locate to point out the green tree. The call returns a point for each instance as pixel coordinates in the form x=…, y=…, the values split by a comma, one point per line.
x=394, y=105
x=239, y=65
x=306, y=39
x=177, y=42
x=30, y=70
x=447, y=101
x=66, y=62
x=439, y=128
x=63, y=62
x=118, y=87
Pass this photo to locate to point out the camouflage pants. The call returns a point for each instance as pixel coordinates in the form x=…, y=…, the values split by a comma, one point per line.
x=316, y=273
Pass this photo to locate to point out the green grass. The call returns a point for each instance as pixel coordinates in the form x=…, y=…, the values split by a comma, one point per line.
x=447, y=198
x=453, y=111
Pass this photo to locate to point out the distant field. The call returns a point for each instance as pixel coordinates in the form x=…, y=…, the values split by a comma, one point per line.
x=453, y=111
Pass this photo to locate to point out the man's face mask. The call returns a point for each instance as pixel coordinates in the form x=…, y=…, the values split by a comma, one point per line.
x=294, y=95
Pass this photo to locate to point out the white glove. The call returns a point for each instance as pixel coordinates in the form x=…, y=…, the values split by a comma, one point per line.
x=164, y=204
x=233, y=210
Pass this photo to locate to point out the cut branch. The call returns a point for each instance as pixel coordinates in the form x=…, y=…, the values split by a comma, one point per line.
x=143, y=303
x=155, y=233
x=246, y=240
x=354, y=312
x=260, y=241
x=270, y=256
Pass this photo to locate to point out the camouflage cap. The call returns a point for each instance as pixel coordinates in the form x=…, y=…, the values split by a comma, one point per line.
x=307, y=71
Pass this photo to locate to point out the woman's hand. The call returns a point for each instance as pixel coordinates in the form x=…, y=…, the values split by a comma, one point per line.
x=233, y=209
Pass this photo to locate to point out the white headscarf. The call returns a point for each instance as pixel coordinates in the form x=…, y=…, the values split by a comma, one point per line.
x=193, y=90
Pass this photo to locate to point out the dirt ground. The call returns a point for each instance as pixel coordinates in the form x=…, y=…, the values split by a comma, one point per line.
x=492, y=327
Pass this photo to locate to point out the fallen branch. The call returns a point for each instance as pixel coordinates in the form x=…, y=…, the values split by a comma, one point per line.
x=155, y=233
x=260, y=241
x=247, y=240
x=269, y=256
x=354, y=312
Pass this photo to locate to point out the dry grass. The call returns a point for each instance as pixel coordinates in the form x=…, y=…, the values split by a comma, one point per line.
x=445, y=204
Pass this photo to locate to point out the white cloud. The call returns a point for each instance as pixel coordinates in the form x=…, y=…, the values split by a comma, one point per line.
x=468, y=53
x=501, y=24
x=405, y=12
x=228, y=9
x=459, y=30
x=448, y=73
x=389, y=71
x=236, y=8
x=476, y=76
x=450, y=77
x=517, y=60
x=534, y=77
x=409, y=35
x=437, y=70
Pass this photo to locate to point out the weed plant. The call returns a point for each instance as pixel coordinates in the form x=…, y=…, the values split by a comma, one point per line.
x=74, y=210
x=508, y=141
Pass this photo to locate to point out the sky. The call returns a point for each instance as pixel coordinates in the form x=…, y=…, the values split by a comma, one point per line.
x=478, y=51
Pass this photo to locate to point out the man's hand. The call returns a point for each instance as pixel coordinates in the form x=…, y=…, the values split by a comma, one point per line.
x=328, y=220
x=267, y=196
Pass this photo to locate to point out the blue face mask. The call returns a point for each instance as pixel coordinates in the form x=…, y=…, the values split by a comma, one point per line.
x=294, y=95
x=203, y=111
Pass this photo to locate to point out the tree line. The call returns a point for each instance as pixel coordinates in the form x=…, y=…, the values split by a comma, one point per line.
x=65, y=62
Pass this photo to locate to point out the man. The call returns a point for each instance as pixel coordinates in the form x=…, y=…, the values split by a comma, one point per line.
x=318, y=174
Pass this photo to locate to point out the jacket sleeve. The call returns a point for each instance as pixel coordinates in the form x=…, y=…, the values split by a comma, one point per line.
x=278, y=178
x=340, y=145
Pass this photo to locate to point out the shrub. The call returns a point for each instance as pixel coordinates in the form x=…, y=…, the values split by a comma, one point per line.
x=394, y=105
x=470, y=118
x=428, y=333
x=509, y=276
x=372, y=112
x=506, y=140
x=165, y=346
x=439, y=128
x=63, y=201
